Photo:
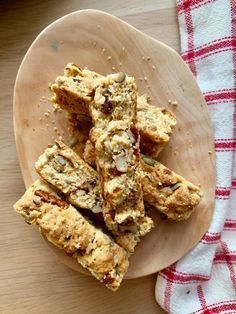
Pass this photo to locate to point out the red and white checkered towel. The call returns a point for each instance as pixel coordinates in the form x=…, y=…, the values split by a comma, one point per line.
x=204, y=281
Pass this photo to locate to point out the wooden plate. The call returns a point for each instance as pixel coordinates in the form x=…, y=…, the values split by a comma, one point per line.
x=88, y=38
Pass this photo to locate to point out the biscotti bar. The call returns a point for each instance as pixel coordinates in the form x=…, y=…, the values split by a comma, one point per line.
x=66, y=228
x=116, y=141
x=159, y=183
x=168, y=192
x=155, y=126
x=60, y=166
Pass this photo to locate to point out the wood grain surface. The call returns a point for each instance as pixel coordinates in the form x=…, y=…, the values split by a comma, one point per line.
x=32, y=280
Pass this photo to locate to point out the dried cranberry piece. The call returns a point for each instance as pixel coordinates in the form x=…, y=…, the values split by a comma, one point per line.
x=117, y=172
x=46, y=197
x=134, y=131
x=127, y=222
x=136, y=152
x=107, y=279
x=92, y=94
x=107, y=106
x=81, y=251
x=111, y=213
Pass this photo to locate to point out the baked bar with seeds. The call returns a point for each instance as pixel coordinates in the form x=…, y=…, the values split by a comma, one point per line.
x=67, y=172
x=62, y=225
x=60, y=166
x=75, y=90
x=116, y=140
x=155, y=126
x=157, y=182
x=168, y=192
x=74, y=83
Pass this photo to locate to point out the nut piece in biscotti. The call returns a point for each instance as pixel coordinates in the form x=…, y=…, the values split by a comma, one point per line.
x=62, y=225
x=116, y=141
x=168, y=192
x=75, y=90
x=60, y=166
x=155, y=126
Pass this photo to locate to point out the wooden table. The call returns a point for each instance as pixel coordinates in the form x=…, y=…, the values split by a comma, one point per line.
x=32, y=280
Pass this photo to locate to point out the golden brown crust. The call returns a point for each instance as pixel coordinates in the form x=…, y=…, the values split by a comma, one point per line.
x=155, y=126
x=75, y=82
x=168, y=192
x=66, y=228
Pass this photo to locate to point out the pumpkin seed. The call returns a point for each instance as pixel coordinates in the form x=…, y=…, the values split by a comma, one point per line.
x=149, y=161
x=175, y=186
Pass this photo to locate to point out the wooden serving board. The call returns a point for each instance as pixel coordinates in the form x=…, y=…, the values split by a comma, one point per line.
x=88, y=38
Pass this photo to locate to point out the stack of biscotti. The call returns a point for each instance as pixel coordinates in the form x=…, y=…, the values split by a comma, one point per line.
x=74, y=92
x=92, y=204
x=77, y=91
x=66, y=171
